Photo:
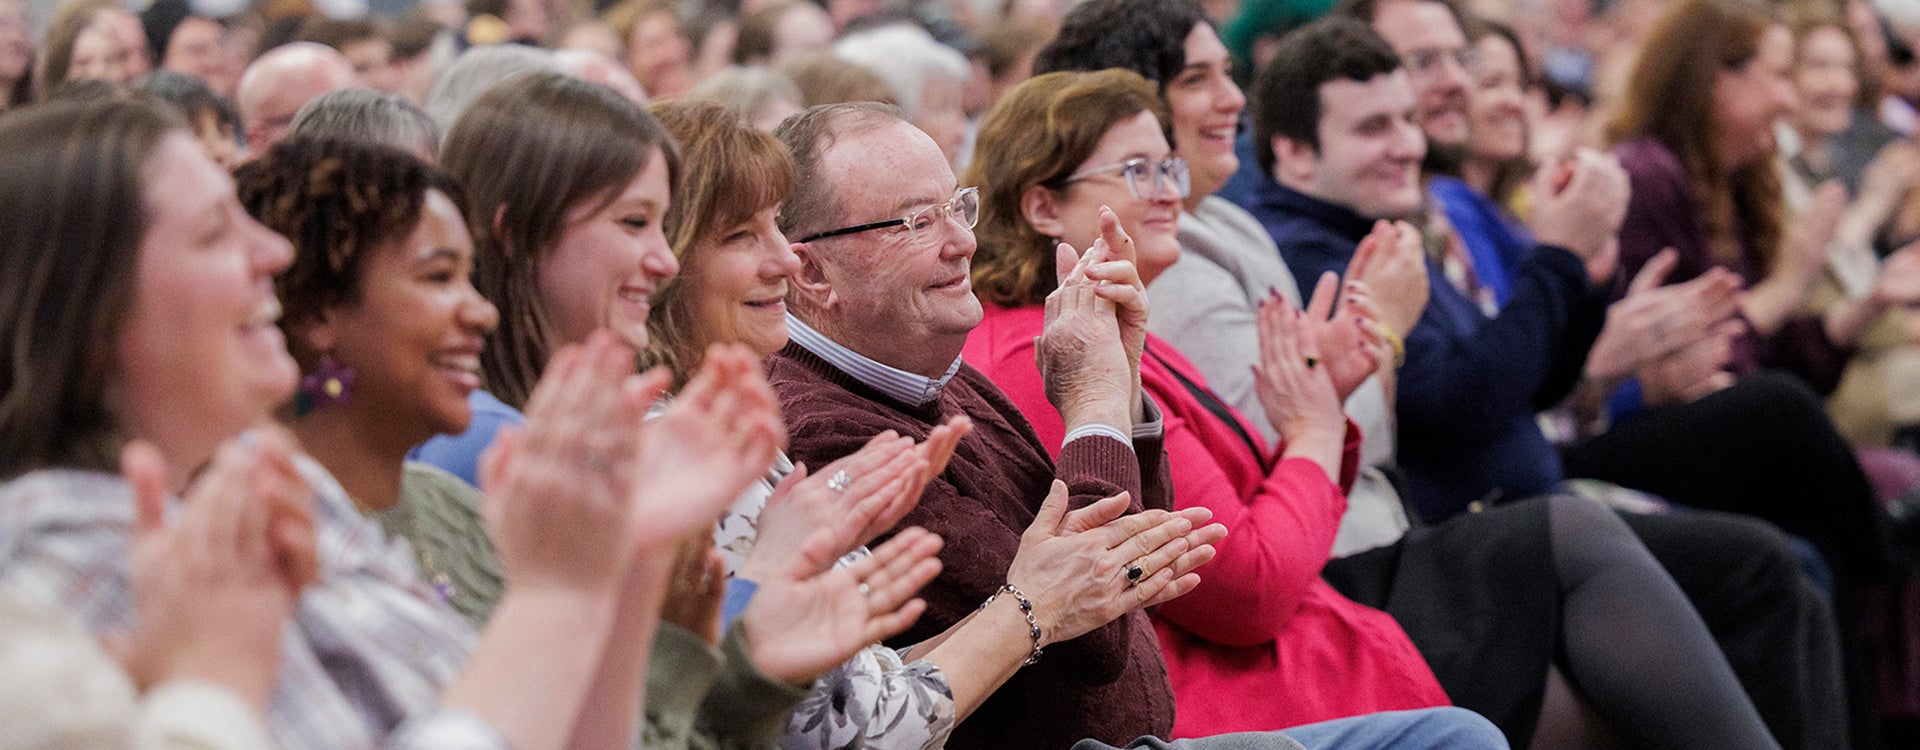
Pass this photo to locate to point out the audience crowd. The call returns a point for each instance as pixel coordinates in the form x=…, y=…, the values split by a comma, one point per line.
x=909, y=374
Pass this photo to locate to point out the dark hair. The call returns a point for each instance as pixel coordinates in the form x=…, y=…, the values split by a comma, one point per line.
x=1286, y=94
x=337, y=201
x=338, y=33
x=1148, y=37
x=528, y=152
x=753, y=44
x=1038, y=135
x=1670, y=98
x=72, y=216
x=807, y=136
x=192, y=97
x=744, y=172
x=158, y=21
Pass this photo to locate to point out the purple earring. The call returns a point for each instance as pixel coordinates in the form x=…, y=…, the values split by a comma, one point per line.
x=330, y=384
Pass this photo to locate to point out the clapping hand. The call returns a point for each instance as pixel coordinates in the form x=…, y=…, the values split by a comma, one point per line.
x=1392, y=264
x=1652, y=321
x=214, y=592
x=1294, y=388
x=1350, y=342
x=812, y=616
x=1079, y=568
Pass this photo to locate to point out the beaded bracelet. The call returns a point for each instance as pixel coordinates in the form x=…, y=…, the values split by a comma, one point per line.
x=1026, y=610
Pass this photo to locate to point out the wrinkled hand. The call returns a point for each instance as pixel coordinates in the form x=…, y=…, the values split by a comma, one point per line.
x=885, y=482
x=1072, y=566
x=696, y=588
x=717, y=437
x=809, y=619
x=561, y=496
x=1111, y=267
x=1653, y=321
x=1693, y=372
x=1579, y=204
x=1089, y=374
x=1394, y=267
x=1350, y=342
x=214, y=592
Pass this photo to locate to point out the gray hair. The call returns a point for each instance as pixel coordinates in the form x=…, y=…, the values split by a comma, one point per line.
x=477, y=70
x=748, y=91
x=372, y=117
x=906, y=57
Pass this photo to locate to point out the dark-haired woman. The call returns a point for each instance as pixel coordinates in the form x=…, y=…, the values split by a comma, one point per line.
x=155, y=320
x=1271, y=626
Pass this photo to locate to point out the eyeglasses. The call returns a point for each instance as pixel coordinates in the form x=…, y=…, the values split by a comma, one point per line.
x=1145, y=177
x=1427, y=62
x=921, y=227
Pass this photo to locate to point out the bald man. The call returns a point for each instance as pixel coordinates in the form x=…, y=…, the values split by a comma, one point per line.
x=275, y=86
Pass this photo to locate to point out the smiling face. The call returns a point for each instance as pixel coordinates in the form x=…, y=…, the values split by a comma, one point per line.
x=1370, y=149
x=416, y=329
x=1205, y=105
x=98, y=55
x=1151, y=222
x=906, y=304
x=736, y=284
x=1498, y=103
x=606, y=264
x=1749, y=99
x=1825, y=81
x=1425, y=34
x=200, y=357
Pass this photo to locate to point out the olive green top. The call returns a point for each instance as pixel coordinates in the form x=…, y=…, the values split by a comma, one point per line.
x=439, y=516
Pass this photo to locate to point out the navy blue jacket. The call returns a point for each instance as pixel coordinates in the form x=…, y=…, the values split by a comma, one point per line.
x=1471, y=384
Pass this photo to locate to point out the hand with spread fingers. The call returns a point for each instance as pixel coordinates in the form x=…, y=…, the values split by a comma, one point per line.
x=810, y=617
x=1350, y=341
x=853, y=499
x=1652, y=321
x=1075, y=566
x=1694, y=371
x=1294, y=388
x=561, y=495
x=215, y=590
x=719, y=436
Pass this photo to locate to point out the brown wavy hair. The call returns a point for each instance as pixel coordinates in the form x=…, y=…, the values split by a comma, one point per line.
x=1038, y=135
x=742, y=172
x=528, y=152
x=1670, y=98
x=71, y=221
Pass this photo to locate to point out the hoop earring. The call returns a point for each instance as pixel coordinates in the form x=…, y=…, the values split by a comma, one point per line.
x=330, y=384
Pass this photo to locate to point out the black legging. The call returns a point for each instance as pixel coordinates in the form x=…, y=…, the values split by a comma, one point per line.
x=1764, y=447
x=1634, y=645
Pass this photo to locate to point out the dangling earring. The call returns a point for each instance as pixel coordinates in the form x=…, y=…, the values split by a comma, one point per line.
x=330, y=384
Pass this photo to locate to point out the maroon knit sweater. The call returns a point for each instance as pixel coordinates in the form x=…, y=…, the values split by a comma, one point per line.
x=1110, y=684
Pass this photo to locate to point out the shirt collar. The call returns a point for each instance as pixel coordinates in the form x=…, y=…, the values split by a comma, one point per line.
x=1339, y=218
x=906, y=387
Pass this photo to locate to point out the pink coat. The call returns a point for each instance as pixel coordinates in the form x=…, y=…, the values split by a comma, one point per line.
x=1263, y=643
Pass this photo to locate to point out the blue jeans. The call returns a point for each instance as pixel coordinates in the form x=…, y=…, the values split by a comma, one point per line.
x=1435, y=728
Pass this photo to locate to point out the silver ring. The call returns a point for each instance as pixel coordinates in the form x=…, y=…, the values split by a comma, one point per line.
x=1134, y=573
x=839, y=481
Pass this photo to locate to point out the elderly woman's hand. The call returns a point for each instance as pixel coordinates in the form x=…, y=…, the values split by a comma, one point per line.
x=852, y=500
x=719, y=436
x=1077, y=568
x=812, y=616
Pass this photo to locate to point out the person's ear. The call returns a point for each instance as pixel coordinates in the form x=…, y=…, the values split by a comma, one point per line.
x=1042, y=210
x=1294, y=162
x=812, y=286
x=318, y=332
